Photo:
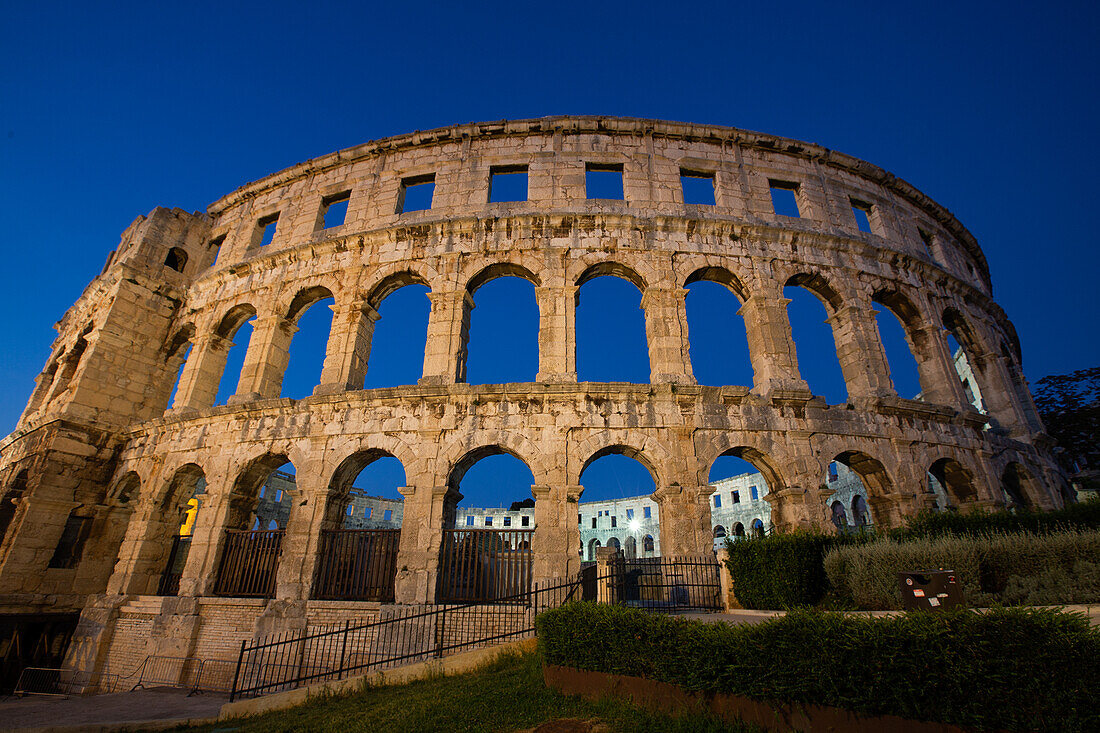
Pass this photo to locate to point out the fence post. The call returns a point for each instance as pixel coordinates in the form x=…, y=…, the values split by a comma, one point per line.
x=237, y=673
x=725, y=581
x=442, y=630
x=344, y=650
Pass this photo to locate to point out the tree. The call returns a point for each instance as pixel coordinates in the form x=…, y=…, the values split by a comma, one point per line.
x=1070, y=407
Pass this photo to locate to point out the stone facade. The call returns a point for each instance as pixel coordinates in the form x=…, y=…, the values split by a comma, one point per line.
x=99, y=470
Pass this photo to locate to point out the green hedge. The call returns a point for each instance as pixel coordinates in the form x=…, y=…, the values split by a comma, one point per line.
x=1011, y=669
x=1082, y=516
x=1010, y=569
x=783, y=570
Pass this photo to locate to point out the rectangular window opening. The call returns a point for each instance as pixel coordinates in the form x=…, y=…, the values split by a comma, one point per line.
x=507, y=521
x=265, y=230
x=469, y=521
x=507, y=183
x=366, y=512
x=929, y=242
x=488, y=521
x=629, y=513
x=645, y=512
x=387, y=515
x=736, y=496
x=526, y=521
x=717, y=501
x=593, y=522
x=698, y=187
x=753, y=493
x=416, y=194
x=603, y=181
x=614, y=522
x=334, y=210
x=214, y=248
x=862, y=211
x=785, y=198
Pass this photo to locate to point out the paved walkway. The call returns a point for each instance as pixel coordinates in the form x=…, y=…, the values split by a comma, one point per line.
x=140, y=710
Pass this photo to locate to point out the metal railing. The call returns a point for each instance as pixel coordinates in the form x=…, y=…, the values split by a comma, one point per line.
x=484, y=564
x=190, y=673
x=249, y=562
x=57, y=682
x=407, y=634
x=173, y=570
x=357, y=564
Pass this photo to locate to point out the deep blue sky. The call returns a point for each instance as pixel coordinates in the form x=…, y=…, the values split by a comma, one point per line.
x=108, y=112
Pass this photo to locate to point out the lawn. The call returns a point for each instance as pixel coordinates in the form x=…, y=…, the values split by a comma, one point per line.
x=506, y=695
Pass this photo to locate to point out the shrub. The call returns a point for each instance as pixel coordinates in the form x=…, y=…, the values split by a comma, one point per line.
x=1026, y=569
x=1012, y=669
x=1082, y=516
x=783, y=570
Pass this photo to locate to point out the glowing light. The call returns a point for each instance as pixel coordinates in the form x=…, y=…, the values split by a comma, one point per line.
x=634, y=525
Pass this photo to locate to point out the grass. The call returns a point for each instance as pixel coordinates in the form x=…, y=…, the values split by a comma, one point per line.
x=505, y=695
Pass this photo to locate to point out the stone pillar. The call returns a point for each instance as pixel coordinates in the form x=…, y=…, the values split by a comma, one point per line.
x=557, y=536
x=299, y=552
x=448, y=332
x=198, y=387
x=207, y=540
x=725, y=581
x=939, y=380
x=771, y=346
x=666, y=332
x=685, y=520
x=137, y=570
x=557, y=334
x=998, y=393
x=348, y=349
x=607, y=587
x=887, y=511
x=860, y=353
x=421, y=537
x=265, y=361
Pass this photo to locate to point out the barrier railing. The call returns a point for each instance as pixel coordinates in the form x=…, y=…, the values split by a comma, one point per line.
x=249, y=562
x=484, y=564
x=173, y=570
x=357, y=564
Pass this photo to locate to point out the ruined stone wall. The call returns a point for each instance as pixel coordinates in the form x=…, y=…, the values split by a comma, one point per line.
x=120, y=346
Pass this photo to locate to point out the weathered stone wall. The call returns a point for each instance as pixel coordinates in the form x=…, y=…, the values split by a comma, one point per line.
x=95, y=439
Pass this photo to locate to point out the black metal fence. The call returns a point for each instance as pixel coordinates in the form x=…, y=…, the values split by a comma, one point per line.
x=484, y=564
x=357, y=564
x=173, y=571
x=407, y=634
x=249, y=562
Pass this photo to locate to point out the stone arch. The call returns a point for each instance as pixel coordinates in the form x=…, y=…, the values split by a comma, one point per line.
x=738, y=530
x=838, y=515
x=719, y=531
x=178, y=341
x=1021, y=489
x=498, y=442
x=340, y=483
x=233, y=319
x=245, y=490
x=392, y=282
x=614, y=543
x=759, y=460
x=757, y=526
x=304, y=298
x=622, y=450
x=722, y=276
x=9, y=503
x=611, y=268
x=820, y=286
x=458, y=468
x=877, y=483
x=955, y=479
x=861, y=515
x=125, y=490
x=501, y=269
x=593, y=545
x=176, y=259
x=630, y=547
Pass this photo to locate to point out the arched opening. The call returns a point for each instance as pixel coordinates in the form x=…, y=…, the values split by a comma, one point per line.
x=488, y=520
x=758, y=528
x=610, y=326
x=618, y=483
x=812, y=305
x=262, y=498
x=169, y=535
x=10, y=502
x=844, y=484
x=839, y=516
x=236, y=327
x=962, y=346
x=504, y=327
x=69, y=364
x=741, y=477
x=861, y=515
x=1019, y=487
x=648, y=545
x=362, y=529
x=739, y=530
x=176, y=259
x=900, y=358
x=947, y=476
x=630, y=548
x=719, y=344
x=176, y=355
x=868, y=479
x=593, y=545
x=613, y=543
x=396, y=349
x=311, y=311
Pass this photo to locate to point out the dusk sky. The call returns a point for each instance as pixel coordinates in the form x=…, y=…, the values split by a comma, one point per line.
x=107, y=112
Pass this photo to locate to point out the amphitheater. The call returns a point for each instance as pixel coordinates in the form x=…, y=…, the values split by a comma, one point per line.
x=100, y=470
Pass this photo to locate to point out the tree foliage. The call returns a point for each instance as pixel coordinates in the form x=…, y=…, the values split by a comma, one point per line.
x=1070, y=407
